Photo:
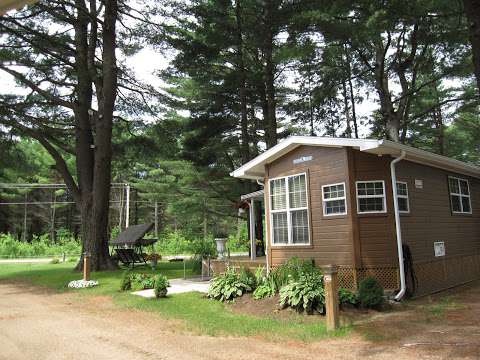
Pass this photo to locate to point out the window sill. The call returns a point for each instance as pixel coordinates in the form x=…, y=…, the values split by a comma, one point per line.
x=462, y=214
x=332, y=217
x=361, y=215
x=291, y=246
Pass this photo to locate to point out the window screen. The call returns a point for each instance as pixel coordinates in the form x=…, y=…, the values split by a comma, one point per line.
x=402, y=197
x=459, y=195
x=334, y=200
x=290, y=223
x=371, y=196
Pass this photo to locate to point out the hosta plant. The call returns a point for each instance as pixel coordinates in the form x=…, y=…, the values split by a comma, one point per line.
x=263, y=291
x=347, y=297
x=305, y=294
x=228, y=286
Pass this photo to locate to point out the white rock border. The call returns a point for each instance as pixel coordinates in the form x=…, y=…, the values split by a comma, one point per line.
x=82, y=284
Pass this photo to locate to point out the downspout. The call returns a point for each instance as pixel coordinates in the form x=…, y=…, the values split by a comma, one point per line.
x=403, y=286
x=262, y=184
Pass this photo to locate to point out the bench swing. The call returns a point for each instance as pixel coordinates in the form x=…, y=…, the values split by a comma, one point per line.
x=127, y=248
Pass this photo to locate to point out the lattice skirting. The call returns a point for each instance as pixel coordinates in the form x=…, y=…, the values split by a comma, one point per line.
x=444, y=273
x=350, y=277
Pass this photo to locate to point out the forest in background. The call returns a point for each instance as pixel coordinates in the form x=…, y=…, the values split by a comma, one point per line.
x=243, y=75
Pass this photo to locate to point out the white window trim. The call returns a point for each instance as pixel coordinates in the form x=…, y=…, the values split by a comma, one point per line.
x=384, y=196
x=288, y=211
x=344, y=197
x=450, y=193
x=404, y=197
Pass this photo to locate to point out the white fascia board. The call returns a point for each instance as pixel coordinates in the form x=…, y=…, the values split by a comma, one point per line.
x=431, y=159
x=255, y=168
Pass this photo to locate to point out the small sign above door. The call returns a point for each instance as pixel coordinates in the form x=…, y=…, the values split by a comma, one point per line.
x=302, y=159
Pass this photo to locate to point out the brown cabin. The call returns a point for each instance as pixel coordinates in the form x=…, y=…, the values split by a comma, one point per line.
x=331, y=200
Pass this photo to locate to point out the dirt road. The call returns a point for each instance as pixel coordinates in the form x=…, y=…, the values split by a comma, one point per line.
x=39, y=324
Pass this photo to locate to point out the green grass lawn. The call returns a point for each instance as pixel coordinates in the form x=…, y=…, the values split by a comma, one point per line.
x=199, y=314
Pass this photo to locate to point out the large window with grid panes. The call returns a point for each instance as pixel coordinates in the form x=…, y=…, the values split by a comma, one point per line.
x=371, y=197
x=459, y=195
x=289, y=210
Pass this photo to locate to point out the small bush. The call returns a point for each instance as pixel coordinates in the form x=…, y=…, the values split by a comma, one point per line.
x=260, y=275
x=72, y=260
x=55, y=261
x=370, y=293
x=126, y=282
x=347, y=297
x=160, y=286
x=246, y=276
x=136, y=281
x=263, y=291
x=227, y=286
x=305, y=294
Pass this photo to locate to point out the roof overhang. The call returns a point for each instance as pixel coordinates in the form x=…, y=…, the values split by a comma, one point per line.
x=255, y=168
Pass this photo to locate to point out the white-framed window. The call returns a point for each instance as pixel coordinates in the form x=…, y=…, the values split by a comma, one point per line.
x=289, y=210
x=402, y=197
x=334, y=199
x=371, y=197
x=459, y=195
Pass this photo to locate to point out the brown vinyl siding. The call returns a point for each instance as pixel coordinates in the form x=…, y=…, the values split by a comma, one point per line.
x=365, y=244
x=431, y=219
x=376, y=231
x=330, y=237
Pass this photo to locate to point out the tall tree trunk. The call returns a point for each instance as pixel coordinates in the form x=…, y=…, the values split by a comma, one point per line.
x=245, y=146
x=346, y=110
x=94, y=154
x=392, y=123
x=439, y=123
x=472, y=10
x=269, y=76
x=351, y=93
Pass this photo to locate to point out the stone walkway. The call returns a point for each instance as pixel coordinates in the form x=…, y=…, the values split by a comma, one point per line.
x=178, y=286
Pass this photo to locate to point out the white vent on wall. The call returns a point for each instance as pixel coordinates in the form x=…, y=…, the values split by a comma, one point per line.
x=439, y=248
x=419, y=183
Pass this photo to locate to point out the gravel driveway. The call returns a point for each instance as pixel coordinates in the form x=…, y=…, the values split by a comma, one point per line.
x=40, y=324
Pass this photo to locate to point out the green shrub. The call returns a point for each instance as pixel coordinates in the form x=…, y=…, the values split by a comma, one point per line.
x=148, y=281
x=347, y=297
x=246, y=276
x=173, y=243
x=126, y=282
x=288, y=272
x=227, y=286
x=55, y=261
x=238, y=244
x=260, y=275
x=370, y=293
x=160, y=286
x=305, y=294
x=40, y=246
x=202, y=248
x=136, y=281
x=263, y=291
x=72, y=260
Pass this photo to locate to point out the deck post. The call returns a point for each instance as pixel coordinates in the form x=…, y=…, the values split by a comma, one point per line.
x=330, y=281
x=253, y=243
x=86, y=266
